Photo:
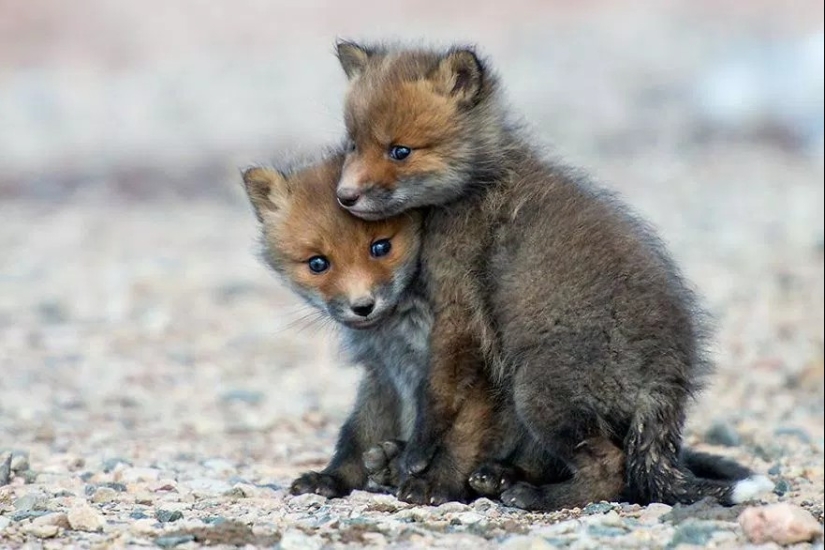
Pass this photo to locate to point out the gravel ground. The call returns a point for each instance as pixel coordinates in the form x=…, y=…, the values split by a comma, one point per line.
x=159, y=388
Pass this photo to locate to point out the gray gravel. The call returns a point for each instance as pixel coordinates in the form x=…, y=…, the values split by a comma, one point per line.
x=159, y=388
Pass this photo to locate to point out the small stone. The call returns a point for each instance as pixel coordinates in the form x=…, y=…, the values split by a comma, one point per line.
x=243, y=396
x=20, y=515
x=484, y=504
x=782, y=486
x=42, y=531
x=19, y=462
x=296, y=540
x=30, y=501
x=144, y=526
x=207, y=486
x=137, y=514
x=606, y=531
x=170, y=541
x=83, y=517
x=782, y=523
x=722, y=433
x=110, y=464
x=57, y=518
x=219, y=465
x=118, y=487
x=4, y=522
x=104, y=494
x=526, y=543
x=652, y=513
x=5, y=469
x=693, y=532
x=775, y=470
x=307, y=500
x=449, y=507
x=598, y=508
x=469, y=518
x=168, y=516
x=136, y=475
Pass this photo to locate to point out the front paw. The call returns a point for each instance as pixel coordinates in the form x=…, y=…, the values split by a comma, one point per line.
x=417, y=457
x=525, y=496
x=434, y=487
x=382, y=464
x=319, y=483
x=491, y=479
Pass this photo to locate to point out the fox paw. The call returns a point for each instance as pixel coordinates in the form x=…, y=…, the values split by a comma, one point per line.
x=318, y=483
x=382, y=463
x=491, y=479
x=417, y=490
x=525, y=496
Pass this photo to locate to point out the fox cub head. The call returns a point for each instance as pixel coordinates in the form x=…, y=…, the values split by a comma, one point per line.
x=419, y=124
x=352, y=270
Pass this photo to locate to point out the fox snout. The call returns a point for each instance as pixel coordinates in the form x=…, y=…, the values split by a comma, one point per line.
x=363, y=306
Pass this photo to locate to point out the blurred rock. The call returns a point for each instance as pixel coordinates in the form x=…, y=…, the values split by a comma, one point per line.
x=782, y=523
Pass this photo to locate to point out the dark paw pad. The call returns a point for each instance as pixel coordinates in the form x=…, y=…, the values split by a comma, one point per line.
x=491, y=479
x=524, y=496
x=321, y=484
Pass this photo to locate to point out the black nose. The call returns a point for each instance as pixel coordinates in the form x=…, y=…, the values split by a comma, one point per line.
x=363, y=306
x=348, y=196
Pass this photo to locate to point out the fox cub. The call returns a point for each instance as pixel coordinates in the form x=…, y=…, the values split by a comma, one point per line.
x=363, y=275
x=538, y=281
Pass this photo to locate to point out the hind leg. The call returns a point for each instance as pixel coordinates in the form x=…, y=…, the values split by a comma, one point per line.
x=598, y=467
x=557, y=404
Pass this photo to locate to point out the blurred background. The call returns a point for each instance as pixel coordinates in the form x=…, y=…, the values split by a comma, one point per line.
x=136, y=320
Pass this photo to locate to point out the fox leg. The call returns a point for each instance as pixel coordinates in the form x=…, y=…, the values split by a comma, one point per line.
x=374, y=419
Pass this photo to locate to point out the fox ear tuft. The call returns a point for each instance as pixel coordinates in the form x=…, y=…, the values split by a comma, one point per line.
x=461, y=75
x=267, y=189
x=353, y=58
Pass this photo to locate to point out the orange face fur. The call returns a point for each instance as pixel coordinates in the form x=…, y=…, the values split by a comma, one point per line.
x=414, y=120
x=355, y=271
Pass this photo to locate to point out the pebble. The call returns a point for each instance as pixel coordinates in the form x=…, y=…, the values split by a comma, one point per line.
x=104, y=494
x=526, y=543
x=448, y=507
x=19, y=462
x=207, y=486
x=652, y=513
x=30, y=501
x=307, y=500
x=598, y=508
x=4, y=522
x=170, y=541
x=110, y=464
x=694, y=532
x=782, y=523
x=722, y=433
x=781, y=487
x=42, y=531
x=83, y=517
x=469, y=518
x=145, y=526
x=136, y=475
x=484, y=504
x=168, y=516
x=296, y=540
x=5, y=469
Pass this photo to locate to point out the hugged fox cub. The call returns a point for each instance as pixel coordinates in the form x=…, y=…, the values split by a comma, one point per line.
x=364, y=276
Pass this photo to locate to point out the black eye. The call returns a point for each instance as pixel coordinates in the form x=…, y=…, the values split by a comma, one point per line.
x=399, y=152
x=350, y=146
x=380, y=248
x=318, y=264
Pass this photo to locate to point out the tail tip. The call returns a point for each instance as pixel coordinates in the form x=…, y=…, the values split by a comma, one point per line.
x=750, y=488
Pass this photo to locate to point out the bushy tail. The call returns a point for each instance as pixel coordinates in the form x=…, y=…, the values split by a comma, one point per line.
x=659, y=471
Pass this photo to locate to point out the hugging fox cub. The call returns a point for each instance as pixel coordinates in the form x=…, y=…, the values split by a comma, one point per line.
x=555, y=316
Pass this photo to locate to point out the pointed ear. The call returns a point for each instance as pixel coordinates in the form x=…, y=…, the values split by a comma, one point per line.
x=460, y=74
x=268, y=190
x=353, y=58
